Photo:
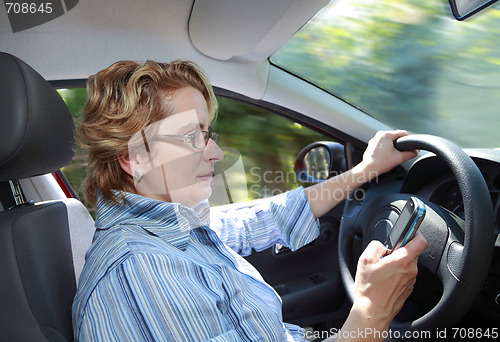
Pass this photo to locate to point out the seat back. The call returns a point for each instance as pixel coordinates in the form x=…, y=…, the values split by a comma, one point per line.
x=81, y=231
x=45, y=189
x=37, y=284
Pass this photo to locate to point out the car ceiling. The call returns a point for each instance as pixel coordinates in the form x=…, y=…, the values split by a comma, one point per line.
x=230, y=39
x=236, y=35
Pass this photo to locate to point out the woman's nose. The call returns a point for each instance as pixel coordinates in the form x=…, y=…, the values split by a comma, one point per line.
x=213, y=152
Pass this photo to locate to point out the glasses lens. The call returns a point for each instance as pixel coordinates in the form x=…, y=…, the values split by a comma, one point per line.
x=201, y=138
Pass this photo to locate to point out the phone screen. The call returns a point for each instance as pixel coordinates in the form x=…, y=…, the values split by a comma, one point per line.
x=406, y=225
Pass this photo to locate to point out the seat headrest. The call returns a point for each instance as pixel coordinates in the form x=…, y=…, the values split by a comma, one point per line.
x=36, y=127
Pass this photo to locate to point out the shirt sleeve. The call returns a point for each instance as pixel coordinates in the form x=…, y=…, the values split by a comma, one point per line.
x=150, y=298
x=285, y=219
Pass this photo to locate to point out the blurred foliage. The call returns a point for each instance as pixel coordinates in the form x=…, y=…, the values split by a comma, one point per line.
x=268, y=145
x=408, y=63
x=75, y=99
x=266, y=142
x=75, y=171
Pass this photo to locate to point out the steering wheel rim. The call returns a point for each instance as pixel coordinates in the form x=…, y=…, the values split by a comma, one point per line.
x=462, y=268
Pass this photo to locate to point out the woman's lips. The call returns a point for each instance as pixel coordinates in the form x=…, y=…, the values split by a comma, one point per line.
x=206, y=176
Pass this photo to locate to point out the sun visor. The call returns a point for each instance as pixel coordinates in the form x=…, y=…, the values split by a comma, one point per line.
x=247, y=30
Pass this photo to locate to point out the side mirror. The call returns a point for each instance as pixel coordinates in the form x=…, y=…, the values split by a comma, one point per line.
x=319, y=161
x=462, y=9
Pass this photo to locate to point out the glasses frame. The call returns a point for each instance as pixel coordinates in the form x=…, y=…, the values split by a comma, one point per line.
x=189, y=138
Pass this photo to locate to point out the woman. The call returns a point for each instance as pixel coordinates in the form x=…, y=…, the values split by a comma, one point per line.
x=157, y=269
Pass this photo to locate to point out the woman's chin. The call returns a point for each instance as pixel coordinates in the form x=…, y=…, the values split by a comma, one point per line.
x=192, y=195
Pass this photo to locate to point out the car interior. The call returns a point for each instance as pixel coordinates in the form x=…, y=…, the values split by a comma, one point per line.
x=45, y=227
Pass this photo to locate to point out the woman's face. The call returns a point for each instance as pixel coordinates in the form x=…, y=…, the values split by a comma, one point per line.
x=170, y=169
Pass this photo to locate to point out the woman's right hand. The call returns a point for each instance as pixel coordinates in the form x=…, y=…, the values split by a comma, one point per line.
x=381, y=287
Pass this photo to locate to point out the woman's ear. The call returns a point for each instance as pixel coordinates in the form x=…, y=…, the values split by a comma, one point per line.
x=125, y=163
x=135, y=163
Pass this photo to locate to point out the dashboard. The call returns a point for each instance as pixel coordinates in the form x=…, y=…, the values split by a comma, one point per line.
x=430, y=178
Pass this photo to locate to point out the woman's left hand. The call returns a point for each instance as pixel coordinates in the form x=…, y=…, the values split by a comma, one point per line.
x=381, y=156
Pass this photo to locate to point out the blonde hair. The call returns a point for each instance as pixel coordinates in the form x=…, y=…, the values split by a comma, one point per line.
x=122, y=100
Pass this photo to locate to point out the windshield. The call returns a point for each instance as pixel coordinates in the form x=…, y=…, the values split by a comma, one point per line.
x=408, y=63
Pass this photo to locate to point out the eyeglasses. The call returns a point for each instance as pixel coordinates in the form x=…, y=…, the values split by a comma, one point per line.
x=199, y=139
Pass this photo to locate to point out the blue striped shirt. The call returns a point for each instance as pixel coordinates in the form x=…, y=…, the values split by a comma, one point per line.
x=157, y=272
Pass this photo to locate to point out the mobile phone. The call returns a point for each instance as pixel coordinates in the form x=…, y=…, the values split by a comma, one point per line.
x=406, y=225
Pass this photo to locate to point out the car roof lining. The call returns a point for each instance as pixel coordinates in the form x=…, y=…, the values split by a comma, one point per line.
x=95, y=34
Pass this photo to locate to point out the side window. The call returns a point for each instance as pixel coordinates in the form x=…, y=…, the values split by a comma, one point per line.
x=262, y=143
x=75, y=170
x=259, y=150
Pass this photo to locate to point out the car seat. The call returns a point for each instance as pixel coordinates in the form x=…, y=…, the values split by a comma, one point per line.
x=38, y=283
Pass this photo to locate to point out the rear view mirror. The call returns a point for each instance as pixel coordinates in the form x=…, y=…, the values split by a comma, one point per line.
x=462, y=9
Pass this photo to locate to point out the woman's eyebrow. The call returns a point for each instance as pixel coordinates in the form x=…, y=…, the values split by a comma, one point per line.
x=203, y=126
x=195, y=126
x=190, y=126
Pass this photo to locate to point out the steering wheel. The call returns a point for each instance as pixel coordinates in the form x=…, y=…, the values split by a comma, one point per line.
x=461, y=263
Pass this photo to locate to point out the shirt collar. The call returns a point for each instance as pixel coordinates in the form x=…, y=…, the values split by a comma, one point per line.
x=171, y=222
